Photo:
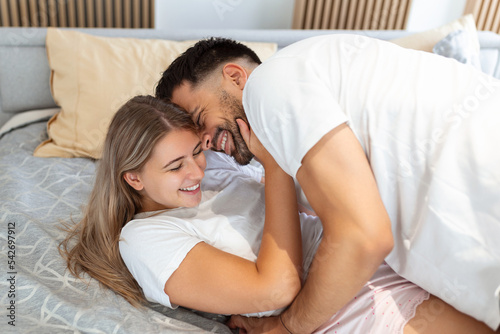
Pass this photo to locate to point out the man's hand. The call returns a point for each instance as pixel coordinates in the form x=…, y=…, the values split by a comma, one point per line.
x=268, y=325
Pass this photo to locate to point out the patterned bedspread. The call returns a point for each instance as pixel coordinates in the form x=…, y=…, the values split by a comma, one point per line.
x=37, y=294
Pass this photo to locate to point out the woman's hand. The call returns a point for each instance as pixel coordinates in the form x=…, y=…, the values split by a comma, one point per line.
x=254, y=145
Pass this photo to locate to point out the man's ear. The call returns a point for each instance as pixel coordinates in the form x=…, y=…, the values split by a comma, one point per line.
x=236, y=74
x=132, y=178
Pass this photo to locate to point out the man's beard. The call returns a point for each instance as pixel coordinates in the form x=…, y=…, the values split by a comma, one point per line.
x=234, y=110
x=240, y=153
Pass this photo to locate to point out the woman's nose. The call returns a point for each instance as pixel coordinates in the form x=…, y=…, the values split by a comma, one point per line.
x=197, y=171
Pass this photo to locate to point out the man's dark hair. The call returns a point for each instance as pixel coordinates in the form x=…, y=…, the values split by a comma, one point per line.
x=200, y=60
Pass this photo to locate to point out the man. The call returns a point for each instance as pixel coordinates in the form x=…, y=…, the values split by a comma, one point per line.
x=384, y=142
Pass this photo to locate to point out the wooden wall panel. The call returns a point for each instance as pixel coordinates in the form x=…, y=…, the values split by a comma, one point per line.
x=351, y=14
x=486, y=13
x=77, y=13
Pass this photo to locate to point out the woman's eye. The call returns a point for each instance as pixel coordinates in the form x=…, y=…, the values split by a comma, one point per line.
x=175, y=168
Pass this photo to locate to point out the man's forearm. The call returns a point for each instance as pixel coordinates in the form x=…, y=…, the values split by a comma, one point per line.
x=339, y=270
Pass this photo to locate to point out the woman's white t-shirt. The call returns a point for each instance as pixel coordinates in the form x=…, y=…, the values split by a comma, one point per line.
x=230, y=217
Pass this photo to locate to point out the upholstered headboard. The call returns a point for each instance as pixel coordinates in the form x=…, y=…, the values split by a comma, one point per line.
x=25, y=74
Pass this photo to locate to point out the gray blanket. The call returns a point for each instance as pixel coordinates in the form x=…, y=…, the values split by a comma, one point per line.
x=38, y=295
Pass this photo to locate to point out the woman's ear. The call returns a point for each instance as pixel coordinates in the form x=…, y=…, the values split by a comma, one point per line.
x=132, y=178
x=236, y=74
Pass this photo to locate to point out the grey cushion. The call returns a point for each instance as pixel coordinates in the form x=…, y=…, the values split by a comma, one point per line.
x=457, y=45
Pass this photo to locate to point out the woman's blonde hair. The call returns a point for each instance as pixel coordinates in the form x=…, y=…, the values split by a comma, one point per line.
x=91, y=245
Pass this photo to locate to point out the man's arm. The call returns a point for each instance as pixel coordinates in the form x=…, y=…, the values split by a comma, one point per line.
x=339, y=184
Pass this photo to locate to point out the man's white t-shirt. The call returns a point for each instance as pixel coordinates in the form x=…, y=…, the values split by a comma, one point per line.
x=430, y=128
x=230, y=217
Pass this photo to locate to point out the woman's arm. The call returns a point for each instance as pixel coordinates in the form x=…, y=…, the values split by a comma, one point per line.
x=214, y=281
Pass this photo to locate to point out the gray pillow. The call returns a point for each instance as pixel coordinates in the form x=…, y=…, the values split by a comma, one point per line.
x=457, y=45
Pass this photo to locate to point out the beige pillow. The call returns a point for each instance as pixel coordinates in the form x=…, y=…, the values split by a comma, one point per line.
x=426, y=40
x=91, y=77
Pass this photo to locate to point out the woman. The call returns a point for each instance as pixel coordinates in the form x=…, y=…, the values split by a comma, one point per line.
x=156, y=229
x=152, y=161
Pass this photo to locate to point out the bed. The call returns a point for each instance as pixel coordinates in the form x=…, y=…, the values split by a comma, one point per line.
x=39, y=194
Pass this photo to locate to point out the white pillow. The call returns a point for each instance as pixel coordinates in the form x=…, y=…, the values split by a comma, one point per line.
x=27, y=117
